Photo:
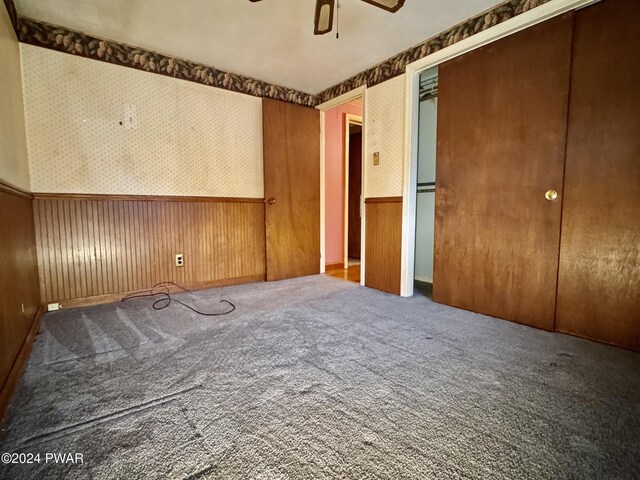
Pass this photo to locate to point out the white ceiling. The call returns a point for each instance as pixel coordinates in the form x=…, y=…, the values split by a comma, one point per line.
x=271, y=40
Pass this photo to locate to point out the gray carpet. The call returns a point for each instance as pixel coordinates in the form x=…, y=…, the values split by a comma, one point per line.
x=320, y=378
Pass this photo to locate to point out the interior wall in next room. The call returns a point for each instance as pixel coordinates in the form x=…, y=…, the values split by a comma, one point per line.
x=334, y=125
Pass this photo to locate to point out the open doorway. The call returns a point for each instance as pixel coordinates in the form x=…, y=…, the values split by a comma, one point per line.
x=426, y=183
x=343, y=135
x=353, y=194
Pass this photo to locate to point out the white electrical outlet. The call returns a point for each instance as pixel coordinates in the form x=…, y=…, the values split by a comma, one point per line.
x=179, y=260
x=52, y=307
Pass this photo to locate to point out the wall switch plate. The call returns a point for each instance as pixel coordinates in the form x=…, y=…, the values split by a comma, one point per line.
x=179, y=260
x=376, y=158
x=130, y=116
x=52, y=307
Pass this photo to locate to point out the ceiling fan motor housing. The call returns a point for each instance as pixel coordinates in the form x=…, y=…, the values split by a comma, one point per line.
x=323, y=20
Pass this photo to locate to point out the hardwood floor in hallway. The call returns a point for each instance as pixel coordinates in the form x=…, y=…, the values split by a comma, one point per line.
x=352, y=274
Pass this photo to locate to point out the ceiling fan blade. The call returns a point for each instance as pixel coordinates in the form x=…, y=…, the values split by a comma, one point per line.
x=323, y=22
x=388, y=5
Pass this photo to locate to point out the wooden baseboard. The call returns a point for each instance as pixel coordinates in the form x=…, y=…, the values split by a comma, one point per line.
x=19, y=364
x=116, y=297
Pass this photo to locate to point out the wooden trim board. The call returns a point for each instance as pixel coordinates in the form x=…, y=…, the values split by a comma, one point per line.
x=144, y=198
x=383, y=200
x=13, y=190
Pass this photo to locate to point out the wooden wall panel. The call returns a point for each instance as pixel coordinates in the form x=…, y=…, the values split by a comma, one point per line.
x=89, y=247
x=383, y=244
x=599, y=277
x=18, y=279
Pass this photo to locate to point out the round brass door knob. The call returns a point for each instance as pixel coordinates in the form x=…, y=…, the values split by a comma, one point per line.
x=271, y=201
x=551, y=195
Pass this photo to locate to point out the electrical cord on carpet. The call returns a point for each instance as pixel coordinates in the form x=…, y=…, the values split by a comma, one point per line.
x=165, y=301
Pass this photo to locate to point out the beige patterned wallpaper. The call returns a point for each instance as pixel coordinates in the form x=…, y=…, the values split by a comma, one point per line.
x=384, y=127
x=14, y=167
x=185, y=138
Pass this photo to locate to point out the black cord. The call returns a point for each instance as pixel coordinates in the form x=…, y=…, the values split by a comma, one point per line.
x=166, y=299
x=337, y=18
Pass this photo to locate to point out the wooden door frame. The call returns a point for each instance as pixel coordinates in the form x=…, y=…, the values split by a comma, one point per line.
x=355, y=94
x=412, y=111
x=349, y=119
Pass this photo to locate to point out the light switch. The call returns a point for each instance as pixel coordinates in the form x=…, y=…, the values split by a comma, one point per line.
x=376, y=158
x=130, y=116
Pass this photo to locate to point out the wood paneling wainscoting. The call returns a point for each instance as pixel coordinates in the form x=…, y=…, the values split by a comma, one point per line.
x=383, y=244
x=19, y=296
x=93, y=247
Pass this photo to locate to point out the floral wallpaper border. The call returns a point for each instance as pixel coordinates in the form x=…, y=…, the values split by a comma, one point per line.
x=45, y=35
x=396, y=65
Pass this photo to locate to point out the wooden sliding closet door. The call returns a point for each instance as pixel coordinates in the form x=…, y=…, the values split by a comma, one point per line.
x=502, y=113
x=291, y=189
x=599, y=278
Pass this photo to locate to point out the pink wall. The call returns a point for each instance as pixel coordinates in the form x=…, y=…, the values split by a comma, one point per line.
x=334, y=180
